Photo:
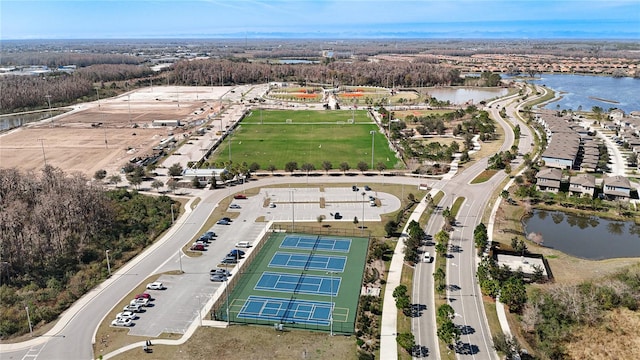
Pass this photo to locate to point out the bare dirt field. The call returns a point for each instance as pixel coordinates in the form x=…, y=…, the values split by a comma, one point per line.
x=105, y=134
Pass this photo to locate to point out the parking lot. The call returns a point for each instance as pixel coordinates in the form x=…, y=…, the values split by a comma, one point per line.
x=176, y=307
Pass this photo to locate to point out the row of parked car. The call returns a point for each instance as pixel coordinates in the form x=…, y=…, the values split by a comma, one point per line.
x=136, y=306
x=203, y=241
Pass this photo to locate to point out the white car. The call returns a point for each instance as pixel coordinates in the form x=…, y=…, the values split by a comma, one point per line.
x=126, y=315
x=427, y=257
x=243, y=244
x=140, y=301
x=156, y=285
x=234, y=206
x=133, y=308
x=122, y=322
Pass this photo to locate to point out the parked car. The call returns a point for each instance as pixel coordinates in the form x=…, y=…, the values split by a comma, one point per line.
x=222, y=222
x=200, y=242
x=272, y=205
x=133, y=308
x=426, y=257
x=156, y=285
x=122, y=322
x=237, y=252
x=140, y=301
x=337, y=216
x=234, y=206
x=144, y=295
x=218, y=278
x=197, y=247
x=243, y=244
x=239, y=196
x=126, y=315
x=210, y=234
x=367, y=188
x=220, y=271
x=229, y=260
x=354, y=188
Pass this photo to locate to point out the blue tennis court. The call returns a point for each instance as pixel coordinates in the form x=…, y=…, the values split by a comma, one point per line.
x=299, y=284
x=308, y=261
x=286, y=310
x=315, y=243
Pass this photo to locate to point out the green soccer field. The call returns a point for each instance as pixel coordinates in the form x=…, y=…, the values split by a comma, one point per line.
x=348, y=292
x=276, y=137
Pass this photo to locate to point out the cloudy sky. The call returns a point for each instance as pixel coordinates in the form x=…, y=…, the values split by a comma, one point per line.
x=513, y=19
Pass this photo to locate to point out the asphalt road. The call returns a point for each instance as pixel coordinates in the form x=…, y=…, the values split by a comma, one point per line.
x=463, y=292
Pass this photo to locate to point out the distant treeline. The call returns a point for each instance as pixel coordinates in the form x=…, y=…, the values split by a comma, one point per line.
x=30, y=92
x=357, y=73
x=55, y=59
x=54, y=231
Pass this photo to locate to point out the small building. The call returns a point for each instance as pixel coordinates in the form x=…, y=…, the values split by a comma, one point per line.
x=203, y=175
x=582, y=184
x=548, y=180
x=530, y=264
x=616, y=188
x=169, y=123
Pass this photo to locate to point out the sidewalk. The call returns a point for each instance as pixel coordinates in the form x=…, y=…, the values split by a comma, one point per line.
x=389, y=323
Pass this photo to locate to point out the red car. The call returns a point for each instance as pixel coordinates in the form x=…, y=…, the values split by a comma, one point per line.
x=197, y=247
x=240, y=196
x=143, y=296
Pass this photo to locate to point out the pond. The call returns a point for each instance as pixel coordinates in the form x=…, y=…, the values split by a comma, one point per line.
x=8, y=122
x=464, y=95
x=586, y=237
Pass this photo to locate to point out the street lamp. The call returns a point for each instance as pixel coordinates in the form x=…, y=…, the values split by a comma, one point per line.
x=293, y=211
x=108, y=264
x=173, y=219
x=363, y=193
x=29, y=320
x=373, y=133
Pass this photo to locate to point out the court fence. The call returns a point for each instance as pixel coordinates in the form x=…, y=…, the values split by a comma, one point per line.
x=220, y=308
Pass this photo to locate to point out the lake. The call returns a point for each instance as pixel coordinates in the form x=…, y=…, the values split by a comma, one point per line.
x=586, y=237
x=589, y=91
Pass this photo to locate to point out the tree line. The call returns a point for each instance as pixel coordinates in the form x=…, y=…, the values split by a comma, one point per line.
x=54, y=231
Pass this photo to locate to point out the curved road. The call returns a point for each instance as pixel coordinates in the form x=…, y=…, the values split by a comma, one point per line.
x=463, y=292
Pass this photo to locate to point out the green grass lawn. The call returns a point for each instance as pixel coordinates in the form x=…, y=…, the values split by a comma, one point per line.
x=311, y=137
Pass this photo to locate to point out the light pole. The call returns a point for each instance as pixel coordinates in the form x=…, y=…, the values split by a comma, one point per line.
x=180, y=260
x=363, y=193
x=173, y=219
x=373, y=134
x=226, y=290
x=293, y=211
x=49, y=102
x=44, y=156
x=331, y=304
x=29, y=320
x=108, y=264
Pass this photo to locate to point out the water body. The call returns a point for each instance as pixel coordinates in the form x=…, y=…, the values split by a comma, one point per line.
x=586, y=237
x=460, y=96
x=589, y=91
x=8, y=122
x=297, y=61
